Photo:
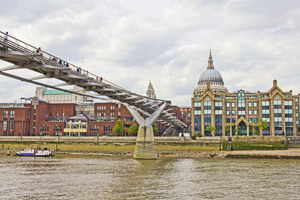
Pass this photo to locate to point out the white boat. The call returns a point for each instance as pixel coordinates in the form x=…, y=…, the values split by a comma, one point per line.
x=34, y=152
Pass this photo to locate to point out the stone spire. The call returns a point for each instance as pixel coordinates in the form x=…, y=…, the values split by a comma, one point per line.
x=210, y=61
x=150, y=91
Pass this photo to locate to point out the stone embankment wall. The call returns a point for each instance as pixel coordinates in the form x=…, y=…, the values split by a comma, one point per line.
x=254, y=143
x=164, y=145
x=204, y=147
x=293, y=142
x=109, y=145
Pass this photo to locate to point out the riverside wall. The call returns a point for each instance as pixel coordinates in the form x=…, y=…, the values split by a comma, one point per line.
x=126, y=145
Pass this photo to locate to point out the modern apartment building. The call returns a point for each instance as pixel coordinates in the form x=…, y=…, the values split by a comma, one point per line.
x=241, y=112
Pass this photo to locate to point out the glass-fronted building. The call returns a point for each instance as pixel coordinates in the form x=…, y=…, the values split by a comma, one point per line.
x=241, y=112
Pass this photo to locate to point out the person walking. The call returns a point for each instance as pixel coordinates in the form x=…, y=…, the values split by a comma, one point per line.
x=5, y=36
x=39, y=51
x=5, y=40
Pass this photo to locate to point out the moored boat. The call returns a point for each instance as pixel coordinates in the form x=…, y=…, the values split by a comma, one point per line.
x=34, y=152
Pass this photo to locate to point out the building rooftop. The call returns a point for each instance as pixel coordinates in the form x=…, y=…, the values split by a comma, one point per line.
x=54, y=92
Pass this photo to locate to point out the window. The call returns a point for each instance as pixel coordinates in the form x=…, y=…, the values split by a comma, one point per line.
x=227, y=105
x=207, y=103
x=11, y=125
x=254, y=104
x=4, y=125
x=218, y=104
x=288, y=111
x=255, y=112
x=207, y=111
x=232, y=104
x=297, y=107
x=296, y=100
x=126, y=119
x=297, y=114
x=277, y=119
x=241, y=112
x=218, y=112
x=197, y=104
x=277, y=110
x=265, y=111
x=288, y=119
x=197, y=112
x=277, y=102
x=5, y=114
x=12, y=114
x=255, y=120
x=265, y=103
x=28, y=115
x=227, y=112
x=228, y=120
x=250, y=120
x=233, y=112
x=250, y=112
x=288, y=103
x=249, y=104
x=297, y=122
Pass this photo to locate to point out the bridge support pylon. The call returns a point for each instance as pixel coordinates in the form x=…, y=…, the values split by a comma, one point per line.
x=145, y=144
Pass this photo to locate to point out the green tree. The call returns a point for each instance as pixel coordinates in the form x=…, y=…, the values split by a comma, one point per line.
x=119, y=128
x=133, y=129
x=254, y=131
x=236, y=131
x=155, y=129
x=227, y=130
x=210, y=128
x=263, y=125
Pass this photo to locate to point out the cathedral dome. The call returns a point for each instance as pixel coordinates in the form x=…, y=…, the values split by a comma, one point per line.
x=210, y=74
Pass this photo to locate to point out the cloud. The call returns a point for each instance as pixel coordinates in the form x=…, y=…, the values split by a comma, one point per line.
x=132, y=42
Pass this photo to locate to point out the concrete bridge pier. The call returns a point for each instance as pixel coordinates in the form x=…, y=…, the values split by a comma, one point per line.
x=145, y=145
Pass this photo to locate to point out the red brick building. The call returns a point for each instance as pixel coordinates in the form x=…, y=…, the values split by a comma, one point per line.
x=40, y=118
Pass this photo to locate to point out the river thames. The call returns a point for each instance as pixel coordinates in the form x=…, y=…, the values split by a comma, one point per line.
x=125, y=178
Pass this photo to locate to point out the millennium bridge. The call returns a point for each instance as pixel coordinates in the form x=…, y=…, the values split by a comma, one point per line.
x=145, y=110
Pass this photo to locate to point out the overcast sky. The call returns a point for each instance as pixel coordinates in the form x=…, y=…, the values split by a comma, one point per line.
x=167, y=42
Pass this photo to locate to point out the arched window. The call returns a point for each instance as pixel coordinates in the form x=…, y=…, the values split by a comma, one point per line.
x=241, y=103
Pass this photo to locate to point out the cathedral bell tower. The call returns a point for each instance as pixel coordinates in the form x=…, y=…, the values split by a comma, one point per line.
x=150, y=91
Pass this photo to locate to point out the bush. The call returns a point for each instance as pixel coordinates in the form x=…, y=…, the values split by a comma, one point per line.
x=198, y=134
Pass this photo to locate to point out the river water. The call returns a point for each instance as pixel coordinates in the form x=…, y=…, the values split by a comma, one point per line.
x=125, y=178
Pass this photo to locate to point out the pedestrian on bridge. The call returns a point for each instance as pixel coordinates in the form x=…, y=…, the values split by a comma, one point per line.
x=5, y=36
x=39, y=51
x=5, y=39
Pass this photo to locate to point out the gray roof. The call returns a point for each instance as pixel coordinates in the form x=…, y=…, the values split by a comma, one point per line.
x=210, y=75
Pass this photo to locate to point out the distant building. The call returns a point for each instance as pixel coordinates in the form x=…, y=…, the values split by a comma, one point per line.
x=186, y=114
x=240, y=112
x=58, y=96
x=41, y=118
x=150, y=91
